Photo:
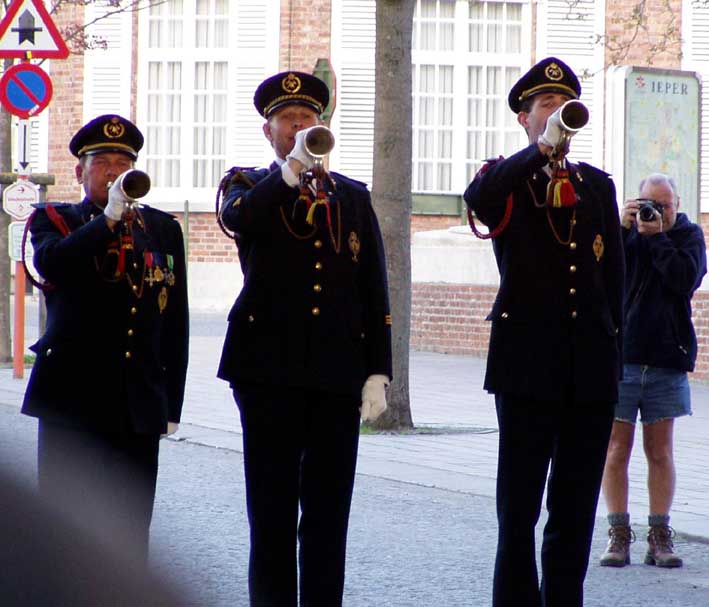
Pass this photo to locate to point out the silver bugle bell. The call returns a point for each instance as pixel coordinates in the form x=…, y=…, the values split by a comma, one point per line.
x=130, y=185
x=573, y=116
x=319, y=141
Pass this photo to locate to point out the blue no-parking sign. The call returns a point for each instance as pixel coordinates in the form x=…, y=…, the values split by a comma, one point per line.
x=25, y=90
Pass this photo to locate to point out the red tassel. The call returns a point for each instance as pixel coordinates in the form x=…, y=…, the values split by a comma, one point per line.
x=568, y=194
x=560, y=191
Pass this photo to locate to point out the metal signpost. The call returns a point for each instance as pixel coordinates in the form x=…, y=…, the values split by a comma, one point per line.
x=26, y=32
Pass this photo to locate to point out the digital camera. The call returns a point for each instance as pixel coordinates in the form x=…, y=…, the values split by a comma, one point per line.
x=647, y=209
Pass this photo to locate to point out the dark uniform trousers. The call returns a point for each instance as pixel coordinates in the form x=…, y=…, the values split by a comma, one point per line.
x=554, y=364
x=306, y=438
x=566, y=441
x=104, y=481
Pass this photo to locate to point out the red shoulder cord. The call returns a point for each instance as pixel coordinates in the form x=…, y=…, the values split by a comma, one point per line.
x=505, y=218
x=64, y=230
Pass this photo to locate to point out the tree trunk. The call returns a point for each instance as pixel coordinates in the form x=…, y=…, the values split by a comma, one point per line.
x=391, y=189
x=5, y=265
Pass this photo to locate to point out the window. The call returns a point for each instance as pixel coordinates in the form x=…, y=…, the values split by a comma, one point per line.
x=466, y=56
x=199, y=63
x=186, y=99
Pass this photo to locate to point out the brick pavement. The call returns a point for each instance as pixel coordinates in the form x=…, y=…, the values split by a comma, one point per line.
x=446, y=393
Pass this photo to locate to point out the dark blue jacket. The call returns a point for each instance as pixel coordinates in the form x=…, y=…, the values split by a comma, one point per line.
x=308, y=315
x=110, y=359
x=557, y=316
x=664, y=271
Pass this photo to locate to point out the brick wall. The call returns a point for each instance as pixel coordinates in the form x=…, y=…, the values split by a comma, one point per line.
x=65, y=111
x=422, y=223
x=655, y=44
x=206, y=242
x=450, y=318
x=305, y=33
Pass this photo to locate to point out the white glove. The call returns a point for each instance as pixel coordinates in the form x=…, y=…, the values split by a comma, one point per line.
x=374, y=401
x=117, y=202
x=552, y=135
x=298, y=152
x=172, y=427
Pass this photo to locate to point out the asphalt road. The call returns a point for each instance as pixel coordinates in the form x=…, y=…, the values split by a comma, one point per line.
x=409, y=546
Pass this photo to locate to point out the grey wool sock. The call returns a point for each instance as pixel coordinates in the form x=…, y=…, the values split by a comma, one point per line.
x=658, y=520
x=619, y=519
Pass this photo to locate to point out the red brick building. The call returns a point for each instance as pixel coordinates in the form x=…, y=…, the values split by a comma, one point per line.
x=185, y=72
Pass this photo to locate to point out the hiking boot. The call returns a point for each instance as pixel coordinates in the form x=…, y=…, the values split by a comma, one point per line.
x=659, y=547
x=617, y=553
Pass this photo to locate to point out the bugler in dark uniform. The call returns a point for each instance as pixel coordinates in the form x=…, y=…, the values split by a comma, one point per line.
x=554, y=356
x=309, y=329
x=110, y=369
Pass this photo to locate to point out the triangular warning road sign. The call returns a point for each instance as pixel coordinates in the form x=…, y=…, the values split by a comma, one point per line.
x=28, y=27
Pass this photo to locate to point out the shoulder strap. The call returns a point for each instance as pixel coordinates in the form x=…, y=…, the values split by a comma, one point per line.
x=57, y=220
x=233, y=175
x=64, y=230
x=508, y=208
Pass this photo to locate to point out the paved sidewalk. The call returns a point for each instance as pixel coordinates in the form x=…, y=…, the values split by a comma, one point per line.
x=446, y=394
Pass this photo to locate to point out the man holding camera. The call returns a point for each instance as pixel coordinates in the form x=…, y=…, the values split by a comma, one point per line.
x=666, y=260
x=554, y=356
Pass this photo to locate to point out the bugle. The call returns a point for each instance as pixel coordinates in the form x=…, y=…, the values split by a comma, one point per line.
x=319, y=142
x=573, y=116
x=131, y=185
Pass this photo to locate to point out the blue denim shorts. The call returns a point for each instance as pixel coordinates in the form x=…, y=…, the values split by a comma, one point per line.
x=656, y=392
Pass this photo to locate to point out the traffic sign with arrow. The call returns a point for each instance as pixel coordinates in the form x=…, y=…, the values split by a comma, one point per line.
x=18, y=198
x=23, y=129
x=27, y=27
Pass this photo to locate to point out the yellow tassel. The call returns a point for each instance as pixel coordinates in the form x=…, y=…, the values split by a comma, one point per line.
x=310, y=217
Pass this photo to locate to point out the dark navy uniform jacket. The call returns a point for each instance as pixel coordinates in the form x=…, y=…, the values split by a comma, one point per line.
x=307, y=315
x=114, y=353
x=557, y=317
x=664, y=271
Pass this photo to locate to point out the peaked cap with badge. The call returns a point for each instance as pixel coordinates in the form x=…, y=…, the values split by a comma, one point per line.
x=291, y=88
x=107, y=133
x=550, y=75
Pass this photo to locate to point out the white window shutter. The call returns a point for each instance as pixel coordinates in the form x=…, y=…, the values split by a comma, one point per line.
x=569, y=32
x=107, y=72
x=353, y=45
x=695, y=34
x=253, y=57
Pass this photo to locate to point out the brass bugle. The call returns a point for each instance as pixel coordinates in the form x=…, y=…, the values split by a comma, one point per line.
x=130, y=185
x=319, y=141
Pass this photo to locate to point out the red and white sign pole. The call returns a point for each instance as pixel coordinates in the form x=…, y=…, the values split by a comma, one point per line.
x=18, y=347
